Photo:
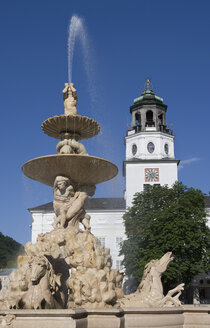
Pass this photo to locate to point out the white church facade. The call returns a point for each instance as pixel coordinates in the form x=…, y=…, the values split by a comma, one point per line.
x=149, y=159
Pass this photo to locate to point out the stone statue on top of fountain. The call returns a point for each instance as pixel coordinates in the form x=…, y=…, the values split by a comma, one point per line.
x=70, y=99
x=68, y=143
x=69, y=203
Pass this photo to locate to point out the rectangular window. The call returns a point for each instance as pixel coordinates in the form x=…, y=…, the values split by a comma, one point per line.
x=102, y=240
x=145, y=186
x=118, y=241
x=119, y=265
x=148, y=184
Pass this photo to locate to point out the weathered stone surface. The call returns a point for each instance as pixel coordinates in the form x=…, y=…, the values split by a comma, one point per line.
x=69, y=201
x=70, y=99
x=42, y=280
x=70, y=146
x=182, y=317
x=7, y=320
x=33, y=286
x=105, y=318
x=76, y=126
x=154, y=318
x=150, y=290
x=44, y=318
x=196, y=316
x=92, y=282
x=82, y=169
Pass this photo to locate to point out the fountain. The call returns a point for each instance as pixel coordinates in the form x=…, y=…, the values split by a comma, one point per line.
x=65, y=278
x=73, y=174
x=68, y=268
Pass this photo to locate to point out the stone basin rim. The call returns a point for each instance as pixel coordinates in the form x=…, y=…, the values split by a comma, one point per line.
x=80, y=127
x=82, y=169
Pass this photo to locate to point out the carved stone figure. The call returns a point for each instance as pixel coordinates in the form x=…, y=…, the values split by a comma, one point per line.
x=70, y=146
x=92, y=283
x=69, y=204
x=38, y=283
x=43, y=288
x=17, y=287
x=90, y=288
x=150, y=290
x=33, y=286
x=70, y=99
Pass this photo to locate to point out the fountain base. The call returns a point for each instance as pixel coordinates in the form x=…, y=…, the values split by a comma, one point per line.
x=184, y=317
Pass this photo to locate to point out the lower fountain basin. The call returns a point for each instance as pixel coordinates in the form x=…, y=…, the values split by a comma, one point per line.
x=82, y=169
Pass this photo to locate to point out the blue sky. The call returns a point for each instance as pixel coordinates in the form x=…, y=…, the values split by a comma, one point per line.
x=128, y=41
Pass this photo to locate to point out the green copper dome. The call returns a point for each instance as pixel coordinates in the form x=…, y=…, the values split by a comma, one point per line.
x=148, y=94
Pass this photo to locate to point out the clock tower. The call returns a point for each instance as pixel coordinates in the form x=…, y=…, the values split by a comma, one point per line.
x=149, y=146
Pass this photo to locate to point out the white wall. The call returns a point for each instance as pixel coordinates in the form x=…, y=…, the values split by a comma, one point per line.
x=143, y=138
x=41, y=223
x=109, y=224
x=135, y=177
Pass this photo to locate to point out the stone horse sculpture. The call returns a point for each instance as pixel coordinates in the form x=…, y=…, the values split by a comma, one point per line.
x=44, y=288
x=34, y=285
x=150, y=290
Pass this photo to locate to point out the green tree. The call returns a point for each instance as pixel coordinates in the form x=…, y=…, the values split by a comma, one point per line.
x=9, y=250
x=166, y=219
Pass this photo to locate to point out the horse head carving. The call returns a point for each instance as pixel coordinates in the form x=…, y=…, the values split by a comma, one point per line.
x=150, y=290
x=44, y=286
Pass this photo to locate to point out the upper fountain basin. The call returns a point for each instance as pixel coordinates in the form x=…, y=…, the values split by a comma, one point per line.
x=77, y=126
x=83, y=169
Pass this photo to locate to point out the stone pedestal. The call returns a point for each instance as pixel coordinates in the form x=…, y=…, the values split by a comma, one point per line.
x=154, y=317
x=106, y=318
x=187, y=316
x=196, y=316
x=44, y=318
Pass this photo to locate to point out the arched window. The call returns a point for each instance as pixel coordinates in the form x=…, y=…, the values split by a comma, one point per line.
x=138, y=118
x=160, y=119
x=149, y=118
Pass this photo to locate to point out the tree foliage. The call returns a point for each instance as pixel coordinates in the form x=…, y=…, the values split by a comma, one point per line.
x=9, y=250
x=166, y=219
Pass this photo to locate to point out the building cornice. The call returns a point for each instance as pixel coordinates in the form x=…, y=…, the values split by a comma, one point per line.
x=147, y=133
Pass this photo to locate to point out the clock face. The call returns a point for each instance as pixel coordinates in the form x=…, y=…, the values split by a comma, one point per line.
x=150, y=147
x=166, y=148
x=134, y=149
x=151, y=175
